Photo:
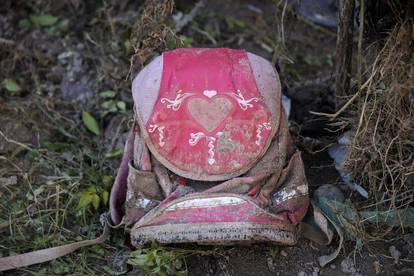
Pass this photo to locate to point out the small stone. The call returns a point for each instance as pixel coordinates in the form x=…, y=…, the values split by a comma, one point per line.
x=395, y=254
x=63, y=57
x=302, y=273
x=347, y=266
x=283, y=253
x=80, y=46
x=332, y=266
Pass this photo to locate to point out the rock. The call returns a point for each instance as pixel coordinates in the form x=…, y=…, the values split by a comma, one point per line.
x=347, y=266
x=302, y=273
x=283, y=253
x=329, y=191
x=332, y=266
x=395, y=254
x=75, y=82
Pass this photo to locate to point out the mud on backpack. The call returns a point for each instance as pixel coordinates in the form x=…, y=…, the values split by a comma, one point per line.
x=209, y=158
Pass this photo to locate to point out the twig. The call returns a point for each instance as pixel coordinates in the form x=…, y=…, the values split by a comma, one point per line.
x=282, y=30
x=360, y=38
x=7, y=42
x=15, y=142
x=343, y=56
x=317, y=27
x=342, y=109
x=206, y=34
x=349, y=102
x=187, y=18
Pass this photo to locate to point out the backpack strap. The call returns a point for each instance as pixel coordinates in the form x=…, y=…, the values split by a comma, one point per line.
x=119, y=189
x=48, y=254
x=108, y=220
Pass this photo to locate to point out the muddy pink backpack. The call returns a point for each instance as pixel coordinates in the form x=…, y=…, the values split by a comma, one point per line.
x=210, y=158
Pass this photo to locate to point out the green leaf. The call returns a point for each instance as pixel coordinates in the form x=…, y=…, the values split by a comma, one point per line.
x=187, y=41
x=137, y=259
x=90, y=123
x=12, y=86
x=105, y=197
x=128, y=47
x=95, y=201
x=45, y=20
x=64, y=25
x=107, y=94
x=109, y=105
x=121, y=105
x=233, y=23
x=91, y=189
x=84, y=200
x=107, y=180
x=114, y=153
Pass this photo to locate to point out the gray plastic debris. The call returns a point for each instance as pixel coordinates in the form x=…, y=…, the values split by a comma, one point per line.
x=286, y=102
x=329, y=191
x=396, y=254
x=339, y=153
x=321, y=12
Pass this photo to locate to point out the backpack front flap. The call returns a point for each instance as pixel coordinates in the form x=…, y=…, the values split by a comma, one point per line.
x=202, y=115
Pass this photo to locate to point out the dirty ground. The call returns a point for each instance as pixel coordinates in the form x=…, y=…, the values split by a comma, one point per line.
x=65, y=108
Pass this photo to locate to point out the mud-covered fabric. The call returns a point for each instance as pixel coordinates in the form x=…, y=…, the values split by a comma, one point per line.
x=275, y=186
x=210, y=120
x=277, y=182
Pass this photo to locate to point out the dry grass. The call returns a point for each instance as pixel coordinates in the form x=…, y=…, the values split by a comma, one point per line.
x=152, y=33
x=382, y=152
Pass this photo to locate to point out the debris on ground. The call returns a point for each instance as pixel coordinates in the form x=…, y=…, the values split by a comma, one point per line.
x=348, y=266
x=395, y=253
x=339, y=153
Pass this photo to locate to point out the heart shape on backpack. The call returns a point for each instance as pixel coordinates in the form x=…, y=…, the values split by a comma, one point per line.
x=209, y=113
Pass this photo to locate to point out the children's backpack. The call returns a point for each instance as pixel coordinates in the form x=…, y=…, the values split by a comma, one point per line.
x=210, y=158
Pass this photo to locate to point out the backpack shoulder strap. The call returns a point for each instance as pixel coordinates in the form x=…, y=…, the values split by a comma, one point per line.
x=48, y=254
